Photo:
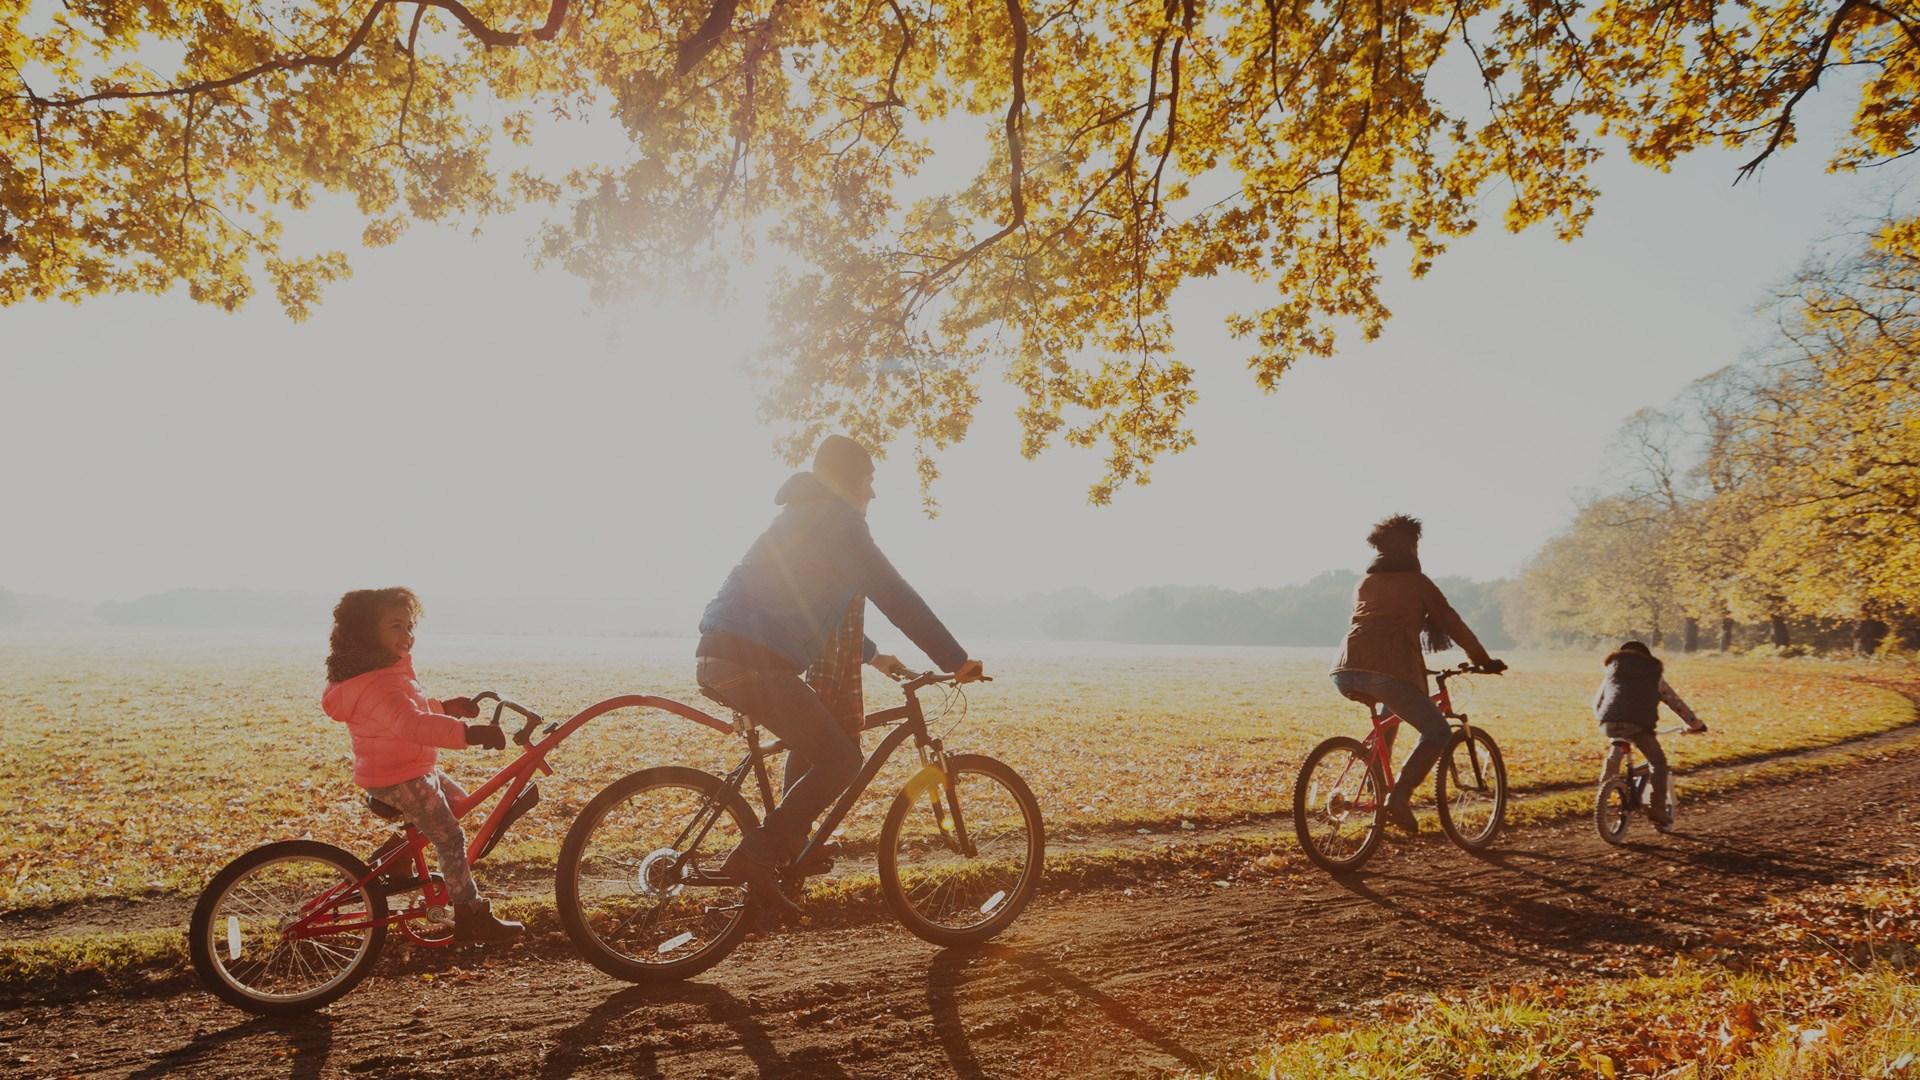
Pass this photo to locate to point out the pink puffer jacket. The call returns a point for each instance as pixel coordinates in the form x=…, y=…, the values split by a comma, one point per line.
x=395, y=725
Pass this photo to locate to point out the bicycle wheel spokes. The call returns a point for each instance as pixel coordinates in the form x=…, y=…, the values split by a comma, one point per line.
x=256, y=940
x=638, y=879
x=1337, y=804
x=941, y=883
x=1471, y=789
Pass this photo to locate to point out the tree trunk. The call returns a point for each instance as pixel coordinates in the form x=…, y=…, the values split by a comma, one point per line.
x=1778, y=625
x=1867, y=636
x=1690, y=639
x=1726, y=633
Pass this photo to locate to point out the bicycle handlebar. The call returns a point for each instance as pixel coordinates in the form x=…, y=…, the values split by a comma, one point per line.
x=1463, y=668
x=533, y=719
x=928, y=678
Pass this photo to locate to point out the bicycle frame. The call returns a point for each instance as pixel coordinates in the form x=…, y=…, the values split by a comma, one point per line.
x=513, y=778
x=1380, y=738
x=912, y=724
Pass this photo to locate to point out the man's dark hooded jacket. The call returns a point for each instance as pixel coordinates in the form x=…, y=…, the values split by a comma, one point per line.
x=793, y=587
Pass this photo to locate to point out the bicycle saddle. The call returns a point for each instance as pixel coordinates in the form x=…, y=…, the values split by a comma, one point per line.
x=385, y=810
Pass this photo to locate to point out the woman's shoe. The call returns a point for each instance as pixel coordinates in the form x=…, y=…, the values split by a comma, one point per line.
x=1402, y=816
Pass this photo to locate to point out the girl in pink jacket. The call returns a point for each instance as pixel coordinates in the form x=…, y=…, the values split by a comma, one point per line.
x=396, y=731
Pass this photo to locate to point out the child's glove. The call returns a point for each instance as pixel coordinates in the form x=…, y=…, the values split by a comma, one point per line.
x=461, y=707
x=486, y=735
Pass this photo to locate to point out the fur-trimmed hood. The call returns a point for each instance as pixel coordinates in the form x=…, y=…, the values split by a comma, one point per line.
x=1620, y=655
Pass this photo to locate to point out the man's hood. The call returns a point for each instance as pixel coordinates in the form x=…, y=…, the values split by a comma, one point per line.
x=805, y=487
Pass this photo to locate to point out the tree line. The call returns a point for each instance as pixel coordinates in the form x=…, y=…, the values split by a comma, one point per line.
x=1776, y=502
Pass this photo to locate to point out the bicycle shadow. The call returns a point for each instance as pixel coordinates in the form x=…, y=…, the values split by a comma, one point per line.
x=311, y=1037
x=948, y=975
x=1470, y=933
x=583, y=1046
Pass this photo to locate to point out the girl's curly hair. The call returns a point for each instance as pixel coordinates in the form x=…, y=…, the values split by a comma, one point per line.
x=1397, y=533
x=354, y=648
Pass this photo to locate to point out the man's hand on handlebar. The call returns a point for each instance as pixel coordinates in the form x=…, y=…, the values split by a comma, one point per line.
x=891, y=667
x=1491, y=667
x=971, y=671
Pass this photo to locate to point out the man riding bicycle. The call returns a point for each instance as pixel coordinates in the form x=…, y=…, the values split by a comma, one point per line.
x=801, y=588
x=1380, y=661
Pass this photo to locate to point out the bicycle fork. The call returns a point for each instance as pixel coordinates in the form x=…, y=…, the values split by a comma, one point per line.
x=933, y=765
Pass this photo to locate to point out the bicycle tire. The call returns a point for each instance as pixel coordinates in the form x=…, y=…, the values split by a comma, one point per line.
x=574, y=919
x=1005, y=900
x=219, y=975
x=1305, y=792
x=1613, y=809
x=1492, y=767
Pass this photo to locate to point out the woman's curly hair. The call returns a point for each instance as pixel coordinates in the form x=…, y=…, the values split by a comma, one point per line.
x=1397, y=533
x=354, y=648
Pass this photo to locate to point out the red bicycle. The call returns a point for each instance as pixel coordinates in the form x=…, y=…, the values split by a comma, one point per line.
x=1340, y=798
x=291, y=926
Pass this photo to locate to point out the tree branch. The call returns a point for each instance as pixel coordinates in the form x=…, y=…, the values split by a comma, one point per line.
x=1785, y=121
x=486, y=35
x=691, y=51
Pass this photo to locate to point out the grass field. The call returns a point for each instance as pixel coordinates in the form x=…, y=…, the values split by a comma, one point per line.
x=137, y=762
x=1827, y=988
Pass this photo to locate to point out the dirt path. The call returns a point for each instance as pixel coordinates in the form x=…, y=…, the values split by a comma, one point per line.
x=1119, y=982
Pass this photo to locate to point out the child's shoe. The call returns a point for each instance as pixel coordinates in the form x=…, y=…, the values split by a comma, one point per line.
x=474, y=922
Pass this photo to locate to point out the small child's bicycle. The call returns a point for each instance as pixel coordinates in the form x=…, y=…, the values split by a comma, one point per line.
x=1626, y=787
x=292, y=926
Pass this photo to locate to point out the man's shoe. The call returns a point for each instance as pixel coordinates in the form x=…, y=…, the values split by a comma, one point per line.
x=1402, y=817
x=761, y=878
x=818, y=862
x=1659, y=818
x=474, y=922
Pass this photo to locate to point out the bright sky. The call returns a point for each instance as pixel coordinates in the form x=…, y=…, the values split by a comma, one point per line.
x=454, y=420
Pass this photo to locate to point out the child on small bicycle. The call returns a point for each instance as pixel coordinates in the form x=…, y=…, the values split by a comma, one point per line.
x=396, y=729
x=1628, y=708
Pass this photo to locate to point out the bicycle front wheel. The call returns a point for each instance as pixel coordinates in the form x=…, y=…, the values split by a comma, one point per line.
x=1339, y=805
x=287, y=928
x=1612, y=807
x=1471, y=788
x=636, y=884
x=960, y=860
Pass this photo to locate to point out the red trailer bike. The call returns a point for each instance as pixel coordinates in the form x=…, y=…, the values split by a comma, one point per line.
x=291, y=926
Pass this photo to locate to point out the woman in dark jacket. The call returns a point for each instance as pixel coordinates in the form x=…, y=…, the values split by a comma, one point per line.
x=1380, y=662
x=1628, y=708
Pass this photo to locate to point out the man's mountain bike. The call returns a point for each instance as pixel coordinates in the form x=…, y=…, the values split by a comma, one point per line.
x=639, y=887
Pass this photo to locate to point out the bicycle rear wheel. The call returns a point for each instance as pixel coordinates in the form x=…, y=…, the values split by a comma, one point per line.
x=634, y=882
x=1339, y=805
x=238, y=939
x=1470, y=787
x=947, y=895
x=1612, y=808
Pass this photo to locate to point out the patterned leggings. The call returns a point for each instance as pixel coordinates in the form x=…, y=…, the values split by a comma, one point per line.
x=424, y=802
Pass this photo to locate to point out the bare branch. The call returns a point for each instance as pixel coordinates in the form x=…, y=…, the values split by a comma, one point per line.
x=1785, y=121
